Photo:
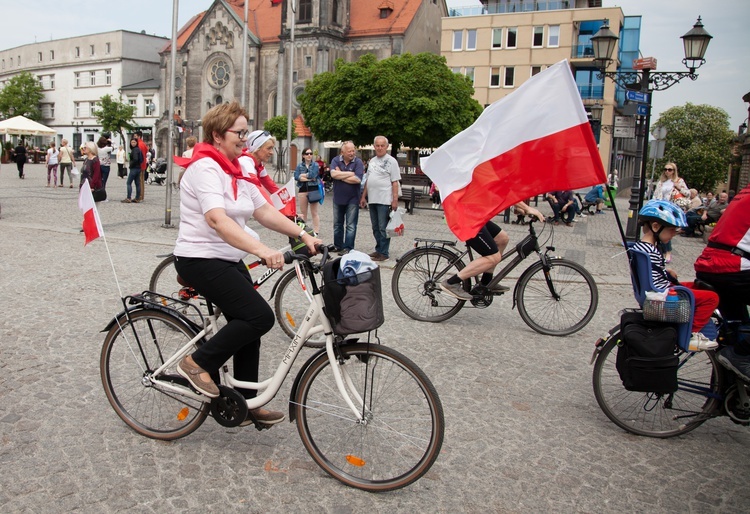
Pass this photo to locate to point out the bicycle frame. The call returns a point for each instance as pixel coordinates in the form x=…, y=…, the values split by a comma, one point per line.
x=313, y=322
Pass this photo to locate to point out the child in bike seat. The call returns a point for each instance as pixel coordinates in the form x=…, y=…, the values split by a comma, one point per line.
x=660, y=220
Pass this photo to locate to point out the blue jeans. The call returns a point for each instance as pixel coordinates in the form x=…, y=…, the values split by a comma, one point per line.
x=105, y=175
x=379, y=216
x=345, y=216
x=134, y=176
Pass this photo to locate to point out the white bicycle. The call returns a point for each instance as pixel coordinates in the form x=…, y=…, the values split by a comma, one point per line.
x=366, y=414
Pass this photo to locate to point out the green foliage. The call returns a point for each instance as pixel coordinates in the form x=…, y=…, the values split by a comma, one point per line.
x=699, y=142
x=114, y=116
x=414, y=100
x=22, y=93
x=277, y=126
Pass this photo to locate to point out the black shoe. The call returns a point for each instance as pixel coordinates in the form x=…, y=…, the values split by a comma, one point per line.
x=343, y=251
x=264, y=417
x=334, y=249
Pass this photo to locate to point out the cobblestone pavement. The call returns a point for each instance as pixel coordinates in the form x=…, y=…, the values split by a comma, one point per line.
x=523, y=430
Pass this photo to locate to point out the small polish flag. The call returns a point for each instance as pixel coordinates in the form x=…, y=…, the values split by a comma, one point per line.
x=533, y=141
x=284, y=200
x=92, y=225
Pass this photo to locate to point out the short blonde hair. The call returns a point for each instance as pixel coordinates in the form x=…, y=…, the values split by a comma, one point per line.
x=90, y=147
x=219, y=119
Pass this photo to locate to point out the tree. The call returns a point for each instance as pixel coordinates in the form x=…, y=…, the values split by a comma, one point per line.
x=277, y=126
x=699, y=142
x=414, y=100
x=22, y=93
x=114, y=115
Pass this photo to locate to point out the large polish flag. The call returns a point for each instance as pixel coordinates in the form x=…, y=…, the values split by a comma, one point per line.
x=533, y=141
x=92, y=225
x=284, y=199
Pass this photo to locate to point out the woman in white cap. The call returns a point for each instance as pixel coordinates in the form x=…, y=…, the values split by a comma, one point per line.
x=259, y=150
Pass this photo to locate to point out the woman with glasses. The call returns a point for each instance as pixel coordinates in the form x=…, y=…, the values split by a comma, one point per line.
x=670, y=188
x=307, y=175
x=258, y=151
x=217, y=198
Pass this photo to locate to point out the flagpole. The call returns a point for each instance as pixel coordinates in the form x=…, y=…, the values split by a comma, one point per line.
x=170, y=124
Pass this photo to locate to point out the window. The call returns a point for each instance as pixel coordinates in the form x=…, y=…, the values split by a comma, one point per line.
x=456, y=70
x=219, y=73
x=335, y=12
x=510, y=75
x=48, y=111
x=497, y=38
x=150, y=106
x=535, y=70
x=81, y=109
x=308, y=61
x=294, y=76
x=538, y=37
x=107, y=48
x=553, y=36
x=39, y=56
x=3, y=63
x=458, y=40
x=78, y=78
x=511, y=37
x=47, y=81
x=134, y=104
x=92, y=78
x=51, y=55
x=470, y=74
x=11, y=62
x=19, y=60
x=91, y=49
x=471, y=39
x=305, y=11
x=495, y=77
x=77, y=52
x=108, y=77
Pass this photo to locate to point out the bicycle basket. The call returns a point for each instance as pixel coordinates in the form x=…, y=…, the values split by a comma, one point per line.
x=666, y=311
x=353, y=304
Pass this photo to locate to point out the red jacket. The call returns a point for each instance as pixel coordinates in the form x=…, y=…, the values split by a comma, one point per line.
x=144, y=150
x=732, y=229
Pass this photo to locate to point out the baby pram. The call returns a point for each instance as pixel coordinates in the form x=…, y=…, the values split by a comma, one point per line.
x=156, y=172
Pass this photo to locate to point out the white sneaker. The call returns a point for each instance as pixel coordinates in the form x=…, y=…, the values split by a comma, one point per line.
x=582, y=215
x=699, y=343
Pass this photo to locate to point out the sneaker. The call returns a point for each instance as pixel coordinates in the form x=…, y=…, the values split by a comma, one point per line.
x=740, y=364
x=582, y=215
x=455, y=290
x=192, y=372
x=499, y=288
x=372, y=255
x=699, y=343
x=264, y=417
x=379, y=257
x=334, y=249
x=127, y=200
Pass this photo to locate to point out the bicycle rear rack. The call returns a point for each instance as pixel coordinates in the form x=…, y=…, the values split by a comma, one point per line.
x=184, y=310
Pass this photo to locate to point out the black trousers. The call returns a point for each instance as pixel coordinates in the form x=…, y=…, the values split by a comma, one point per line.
x=734, y=297
x=229, y=286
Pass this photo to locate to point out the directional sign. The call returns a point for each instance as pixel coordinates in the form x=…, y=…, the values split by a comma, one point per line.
x=642, y=110
x=636, y=96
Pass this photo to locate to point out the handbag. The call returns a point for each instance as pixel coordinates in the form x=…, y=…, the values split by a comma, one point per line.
x=313, y=195
x=322, y=191
x=99, y=195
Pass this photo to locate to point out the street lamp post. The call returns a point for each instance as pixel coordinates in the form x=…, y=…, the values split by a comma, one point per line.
x=293, y=7
x=645, y=82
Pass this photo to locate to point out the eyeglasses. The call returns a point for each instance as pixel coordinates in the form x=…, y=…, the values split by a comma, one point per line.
x=264, y=133
x=307, y=153
x=668, y=169
x=242, y=134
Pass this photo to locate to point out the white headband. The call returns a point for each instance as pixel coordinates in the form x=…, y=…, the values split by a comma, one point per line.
x=256, y=139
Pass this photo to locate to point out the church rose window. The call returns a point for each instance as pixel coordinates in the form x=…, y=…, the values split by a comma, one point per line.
x=219, y=73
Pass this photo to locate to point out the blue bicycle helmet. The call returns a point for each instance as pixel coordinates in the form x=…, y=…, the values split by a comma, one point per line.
x=663, y=212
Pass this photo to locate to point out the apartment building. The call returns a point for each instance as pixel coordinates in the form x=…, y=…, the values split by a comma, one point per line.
x=76, y=72
x=503, y=43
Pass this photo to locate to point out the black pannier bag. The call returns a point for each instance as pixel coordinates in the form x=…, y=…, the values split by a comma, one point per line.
x=353, y=304
x=646, y=359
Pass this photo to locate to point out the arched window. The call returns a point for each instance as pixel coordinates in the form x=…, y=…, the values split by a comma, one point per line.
x=304, y=13
x=335, y=12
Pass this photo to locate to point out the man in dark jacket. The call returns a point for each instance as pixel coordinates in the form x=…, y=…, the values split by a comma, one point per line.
x=19, y=154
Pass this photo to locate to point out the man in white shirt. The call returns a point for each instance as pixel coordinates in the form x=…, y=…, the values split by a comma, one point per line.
x=381, y=192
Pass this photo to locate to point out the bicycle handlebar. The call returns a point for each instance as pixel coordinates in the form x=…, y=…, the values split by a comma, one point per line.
x=290, y=256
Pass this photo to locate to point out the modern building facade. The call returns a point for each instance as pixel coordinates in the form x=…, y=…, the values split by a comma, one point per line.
x=503, y=43
x=76, y=72
x=209, y=52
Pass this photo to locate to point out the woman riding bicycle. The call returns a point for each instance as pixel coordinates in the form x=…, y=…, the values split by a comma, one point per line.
x=216, y=200
x=489, y=243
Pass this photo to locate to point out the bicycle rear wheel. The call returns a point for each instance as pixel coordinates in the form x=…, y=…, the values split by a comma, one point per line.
x=126, y=365
x=291, y=304
x=575, y=305
x=415, y=284
x=164, y=281
x=399, y=436
x=652, y=414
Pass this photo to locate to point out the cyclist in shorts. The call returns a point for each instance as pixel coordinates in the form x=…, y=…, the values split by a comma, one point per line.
x=489, y=243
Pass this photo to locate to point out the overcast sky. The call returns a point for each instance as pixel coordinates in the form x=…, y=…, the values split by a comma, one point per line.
x=723, y=79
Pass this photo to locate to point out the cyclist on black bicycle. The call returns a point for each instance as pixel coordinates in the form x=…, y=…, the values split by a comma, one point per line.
x=489, y=243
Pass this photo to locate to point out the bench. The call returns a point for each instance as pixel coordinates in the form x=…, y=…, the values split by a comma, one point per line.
x=414, y=187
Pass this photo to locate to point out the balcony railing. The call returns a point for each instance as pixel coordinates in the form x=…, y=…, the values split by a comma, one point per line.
x=591, y=91
x=514, y=6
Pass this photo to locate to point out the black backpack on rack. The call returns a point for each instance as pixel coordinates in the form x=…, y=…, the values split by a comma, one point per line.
x=647, y=355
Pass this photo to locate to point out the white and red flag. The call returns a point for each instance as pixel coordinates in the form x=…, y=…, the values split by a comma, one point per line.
x=533, y=141
x=284, y=199
x=92, y=225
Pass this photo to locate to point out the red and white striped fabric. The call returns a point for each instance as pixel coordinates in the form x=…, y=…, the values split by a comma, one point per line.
x=535, y=140
x=92, y=225
x=285, y=199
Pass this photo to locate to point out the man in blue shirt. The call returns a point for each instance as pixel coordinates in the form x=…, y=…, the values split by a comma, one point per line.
x=595, y=196
x=347, y=171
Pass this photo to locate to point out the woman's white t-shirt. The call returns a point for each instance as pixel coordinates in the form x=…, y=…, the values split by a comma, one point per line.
x=206, y=186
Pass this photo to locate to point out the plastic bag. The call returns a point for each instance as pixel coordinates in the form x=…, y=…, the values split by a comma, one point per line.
x=395, y=227
x=74, y=172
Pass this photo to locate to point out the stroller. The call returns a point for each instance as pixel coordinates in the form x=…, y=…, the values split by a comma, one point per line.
x=156, y=172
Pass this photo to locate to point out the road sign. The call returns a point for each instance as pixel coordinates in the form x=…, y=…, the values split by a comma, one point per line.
x=624, y=132
x=644, y=63
x=636, y=96
x=642, y=110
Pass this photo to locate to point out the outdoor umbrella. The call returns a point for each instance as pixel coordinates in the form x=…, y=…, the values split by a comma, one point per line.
x=22, y=126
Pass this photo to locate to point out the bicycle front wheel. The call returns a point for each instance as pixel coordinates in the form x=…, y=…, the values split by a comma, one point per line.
x=653, y=414
x=399, y=433
x=415, y=284
x=291, y=305
x=127, y=364
x=565, y=312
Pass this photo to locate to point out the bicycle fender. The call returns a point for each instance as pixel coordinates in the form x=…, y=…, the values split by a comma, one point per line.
x=188, y=324
x=276, y=284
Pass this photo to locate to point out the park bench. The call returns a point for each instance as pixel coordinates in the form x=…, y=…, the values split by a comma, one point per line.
x=414, y=188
